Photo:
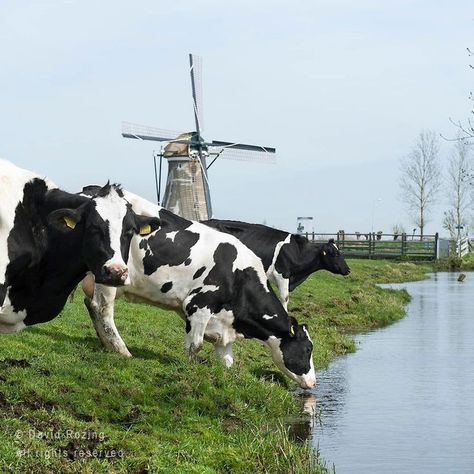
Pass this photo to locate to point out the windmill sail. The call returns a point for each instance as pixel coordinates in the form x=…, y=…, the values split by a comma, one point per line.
x=195, y=70
x=242, y=155
x=143, y=132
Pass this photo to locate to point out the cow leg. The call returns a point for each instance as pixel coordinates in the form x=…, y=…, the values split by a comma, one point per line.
x=225, y=354
x=11, y=328
x=196, y=327
x=101, y=311
x=283, y=289
x=10, y=320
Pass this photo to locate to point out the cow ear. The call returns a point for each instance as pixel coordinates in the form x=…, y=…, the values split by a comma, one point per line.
x=147, y=225
x=64, y=220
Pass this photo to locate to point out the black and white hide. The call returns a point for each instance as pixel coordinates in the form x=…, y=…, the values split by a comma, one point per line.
x=288, y=259
x=214, y=282
x=50, y=239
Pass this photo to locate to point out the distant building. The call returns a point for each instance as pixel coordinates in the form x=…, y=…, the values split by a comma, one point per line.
x=304, y=224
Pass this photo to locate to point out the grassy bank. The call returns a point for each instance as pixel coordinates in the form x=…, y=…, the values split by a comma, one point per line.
x=455, y=264
x=159, y=413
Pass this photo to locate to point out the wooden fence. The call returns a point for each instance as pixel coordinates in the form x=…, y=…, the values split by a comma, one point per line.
x=378, y=245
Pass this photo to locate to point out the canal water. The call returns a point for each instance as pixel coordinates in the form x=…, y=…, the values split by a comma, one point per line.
x=404, y=402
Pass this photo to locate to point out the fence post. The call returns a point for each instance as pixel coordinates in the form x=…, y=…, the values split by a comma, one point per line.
x=436, y=246
x=370, y=245
x=404, y=243
x=313, y=237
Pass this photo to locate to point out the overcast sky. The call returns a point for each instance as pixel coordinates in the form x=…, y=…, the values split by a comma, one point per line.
x=340, y=88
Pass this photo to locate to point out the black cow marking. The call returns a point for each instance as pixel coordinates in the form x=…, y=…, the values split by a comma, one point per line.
x=199, y=273
x=161, y=250
x=220, y=276
x=242, y=292
x=166, y=287
x=3, y=293
x=255, y=236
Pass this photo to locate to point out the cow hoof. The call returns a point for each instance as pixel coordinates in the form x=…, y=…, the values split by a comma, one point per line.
x=192, y=350
x=125, y=353
x=228, y=361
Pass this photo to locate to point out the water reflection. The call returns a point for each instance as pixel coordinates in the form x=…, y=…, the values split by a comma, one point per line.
x=404, y=403
x=302, y=428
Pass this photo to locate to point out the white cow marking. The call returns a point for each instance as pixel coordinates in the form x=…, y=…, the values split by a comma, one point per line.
x=113, y=208
x=171, y=235
x=266, y=316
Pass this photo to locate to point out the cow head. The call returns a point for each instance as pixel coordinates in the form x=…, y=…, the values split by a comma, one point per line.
x=293, y=354
x=332, y=260
x=105, y=224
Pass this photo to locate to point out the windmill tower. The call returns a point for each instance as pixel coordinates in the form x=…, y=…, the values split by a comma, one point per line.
x=187, y=190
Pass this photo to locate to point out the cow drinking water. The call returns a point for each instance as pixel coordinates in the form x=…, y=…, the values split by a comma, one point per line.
x=214, y=282
x=50, y=239
x=288, y=259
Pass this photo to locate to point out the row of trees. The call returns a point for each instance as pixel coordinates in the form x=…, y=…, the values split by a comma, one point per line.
x=423, y=182
x=422, y=179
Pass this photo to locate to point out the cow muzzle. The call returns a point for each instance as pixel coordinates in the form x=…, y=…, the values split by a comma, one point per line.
x=114, y=274
x=308, y=382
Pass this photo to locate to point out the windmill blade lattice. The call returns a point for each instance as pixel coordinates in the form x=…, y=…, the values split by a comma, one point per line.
x=195, y=69
x=143, y=132
x=242, y=155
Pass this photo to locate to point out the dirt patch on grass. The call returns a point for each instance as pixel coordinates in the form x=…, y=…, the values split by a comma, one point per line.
x=232, y=423
x=34, y=402
x=22, y=363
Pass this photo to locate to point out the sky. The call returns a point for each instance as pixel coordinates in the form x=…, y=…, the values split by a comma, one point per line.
x=340, y=88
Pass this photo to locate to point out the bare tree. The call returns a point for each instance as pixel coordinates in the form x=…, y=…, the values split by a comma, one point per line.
x=459, y=189
x=449, y=223
x=420, y=177
x=466, y=129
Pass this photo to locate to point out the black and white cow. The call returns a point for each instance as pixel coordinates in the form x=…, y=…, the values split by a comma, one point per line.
x=214, y=282
x=288, y=259
x=50, y=239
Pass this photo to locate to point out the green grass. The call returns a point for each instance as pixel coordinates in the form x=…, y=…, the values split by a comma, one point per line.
x=454, y=263
x=157, y=412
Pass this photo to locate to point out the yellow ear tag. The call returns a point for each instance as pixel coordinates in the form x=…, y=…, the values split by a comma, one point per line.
x=324, y=253
x=145, y=229
x=71, y=223
x=292, y=331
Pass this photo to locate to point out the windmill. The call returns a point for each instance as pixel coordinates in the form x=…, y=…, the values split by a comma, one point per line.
x=187, y=186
